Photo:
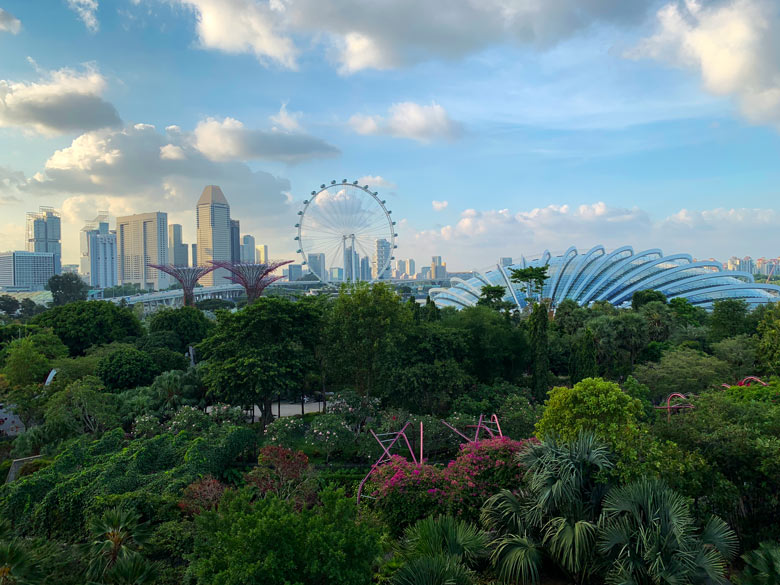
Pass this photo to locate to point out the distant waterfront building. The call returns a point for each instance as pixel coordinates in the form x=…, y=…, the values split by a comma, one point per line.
x=262, y=254
x=142, y=239
x=317, y=265
x=365, y=268
x=44, y=234
x=351, y=264
x=336, y=274
x=235, y=241
x=98, y=244
x=294, y=272
x=425, y=272
x=380, y=266
x=177, y=250
x=70, y=269
x=438, y=268
x=248, y=252
x=194, y=254
x=212, y=220
x=26, y=271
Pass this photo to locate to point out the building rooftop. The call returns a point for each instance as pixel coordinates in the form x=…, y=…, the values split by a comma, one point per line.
x=212, y=194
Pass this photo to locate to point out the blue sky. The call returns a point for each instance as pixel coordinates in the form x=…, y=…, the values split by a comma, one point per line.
x=532, y=124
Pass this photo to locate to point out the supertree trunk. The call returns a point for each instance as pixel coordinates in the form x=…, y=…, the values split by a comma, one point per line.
x=254, y=277
x=188, y=277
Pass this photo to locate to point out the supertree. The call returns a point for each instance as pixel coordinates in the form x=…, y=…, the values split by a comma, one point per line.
x=253, y=276
x=188, y=276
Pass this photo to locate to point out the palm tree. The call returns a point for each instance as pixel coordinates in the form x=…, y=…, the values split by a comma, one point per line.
x=440, y=551
x=555, y=515
x=132, y=569
x=762, y=566
x=17, y=565
x=648, y=537
x=117, y=534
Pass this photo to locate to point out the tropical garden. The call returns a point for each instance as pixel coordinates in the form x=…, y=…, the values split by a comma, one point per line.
x=142, y=462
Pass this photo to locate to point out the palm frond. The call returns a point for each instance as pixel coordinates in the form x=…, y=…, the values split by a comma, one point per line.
x=517, y=559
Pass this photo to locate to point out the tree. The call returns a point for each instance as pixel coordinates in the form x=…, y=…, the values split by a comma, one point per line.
x=649, y=536
x=67, y=288
x=189, y=324
x=214, y=304
x=729, y=317
x=531, y=279
x=642, y=297
x=682, y=370
x=125, y=368
x=687, y=314
x=18, y=566
x=116, y=534
x=82, y=408
x=593, y=405
x=538, y=324
x=769, y=339
x=762, y=566
x=493, y=297
x=29, y=308
x=583, y=361
x=24, y=363
x=260, y=352
x=740, y=353
x=658, y=319
x=82, y=324
x=8, y=305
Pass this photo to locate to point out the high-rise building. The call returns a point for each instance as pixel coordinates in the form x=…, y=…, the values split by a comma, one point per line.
x=438, y=268
x=317, y=265
x=262, y=254
x=248, y=252
x=44, y=234
x=142, y=239
x=294, y=272
x=194, y=254
x=26, y=271
x=365, y=268
x=505, y=261
x=98, y=266
x=380, y=268
x=70, y=269
x=351, y=264
x=425, y=272
x=177, y=250
x=235, y=241
x=336, y=273
x=212, y=217
x=405, y=267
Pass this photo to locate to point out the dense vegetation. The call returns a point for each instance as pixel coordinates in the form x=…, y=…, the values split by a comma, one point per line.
x=153, y=468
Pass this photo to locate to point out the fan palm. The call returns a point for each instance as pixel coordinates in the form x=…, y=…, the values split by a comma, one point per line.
x=648, y=536
x=132, y=569
x=762, y=566
x=555, y=515
x=117, y=534
x=17, y=565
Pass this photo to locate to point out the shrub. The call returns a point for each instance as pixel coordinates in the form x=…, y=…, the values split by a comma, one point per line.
x=189, y=418
x=146, y=425
x=201, y=496
x=330, y=434
x=126, y=368
x=283, y=473
x=227, y=414
x=285, y=431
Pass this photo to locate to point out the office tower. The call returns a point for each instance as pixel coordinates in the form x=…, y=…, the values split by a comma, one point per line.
x=98, y=253
x=194, y=254
x=142, y=239
x=317, y=266
x=212, y=217
x=177, y=250
x=400, y=267
x=248, y=253
x=262, y=254
x=44, y=234
x=336, y=274
x=26, y=271
x=381, y=260
x=365, y=268
x=294, y=272
x=425, y=272
x=235, y=241
x=505, y=261
x=70, y=269
x=351, y=264
x=438, y=268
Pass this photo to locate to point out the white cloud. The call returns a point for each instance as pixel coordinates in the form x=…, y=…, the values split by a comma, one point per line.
x=385, y=34
x=440, y=205
x=244, y=26
x=61, y=101
x=479, y=237
x=172, y=152
x=410, y=120
x=9, y=23
x=376, y=181
x=288, y=121
x=733, y=45
x=87, y=12
x=229, y=139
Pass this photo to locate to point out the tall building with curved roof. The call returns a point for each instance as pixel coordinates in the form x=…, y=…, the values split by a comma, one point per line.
x=599, y=275
x=212, y=217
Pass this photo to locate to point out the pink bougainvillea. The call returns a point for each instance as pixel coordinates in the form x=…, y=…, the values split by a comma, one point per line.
x=402, y=491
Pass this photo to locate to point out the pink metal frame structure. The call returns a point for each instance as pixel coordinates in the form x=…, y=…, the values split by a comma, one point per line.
x=254, y=277
x=491, y=427
x=188, y=277
x=670, y=407
x=747, y=381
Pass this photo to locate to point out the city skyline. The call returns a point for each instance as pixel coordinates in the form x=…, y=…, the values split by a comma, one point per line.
x=613, y=126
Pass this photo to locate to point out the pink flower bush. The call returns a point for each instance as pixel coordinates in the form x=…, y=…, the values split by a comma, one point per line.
x=402, y=491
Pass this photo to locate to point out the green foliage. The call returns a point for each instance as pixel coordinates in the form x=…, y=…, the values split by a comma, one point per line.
x=643, y=297
x=81, y=408
x=538, y=325
x=188, y=323
x=531, y=279
x=67, y=288
x=267, y=542
x=115, y=535
x=762, y=566
x=740, y=353
x=329, y=434
x=82, y=324
x=8, y=304
x=25, y=364
x=493, y=298
x=214, y=304
x=286, y=431
x=769, y=340
x=126, y=368
x=729, y=318
x=682, y=370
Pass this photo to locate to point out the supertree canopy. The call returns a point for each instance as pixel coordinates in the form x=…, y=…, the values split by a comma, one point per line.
x=188, y=276
x=254, y=277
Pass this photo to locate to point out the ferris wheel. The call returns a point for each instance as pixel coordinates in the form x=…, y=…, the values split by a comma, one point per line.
x=346, y=226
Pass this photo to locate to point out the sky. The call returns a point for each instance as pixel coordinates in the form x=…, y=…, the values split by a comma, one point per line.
x=490, y=127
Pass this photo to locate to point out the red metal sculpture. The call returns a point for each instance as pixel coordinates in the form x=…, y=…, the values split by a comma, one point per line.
x=188, y=277
x=674, y=407
x=491, y=427
x=747, y=382
x=254, y=277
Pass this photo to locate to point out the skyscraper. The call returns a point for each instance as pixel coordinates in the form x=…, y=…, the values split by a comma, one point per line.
x=365, y=268
x=235, y=241
x=351, y=264
x=26, y=271
x=142, y=239
x=98, y=264
x=44, y=234
x=194, y=254
x=438, y=268
x=177, y=250
x=262, y=253
x=317, y=266
x=248, y=252
x=505, y=261
x=212, y=217
x=380, y=268
x=294, y=272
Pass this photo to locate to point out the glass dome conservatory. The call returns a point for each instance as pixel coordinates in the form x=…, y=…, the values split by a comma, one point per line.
x=598, y=275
